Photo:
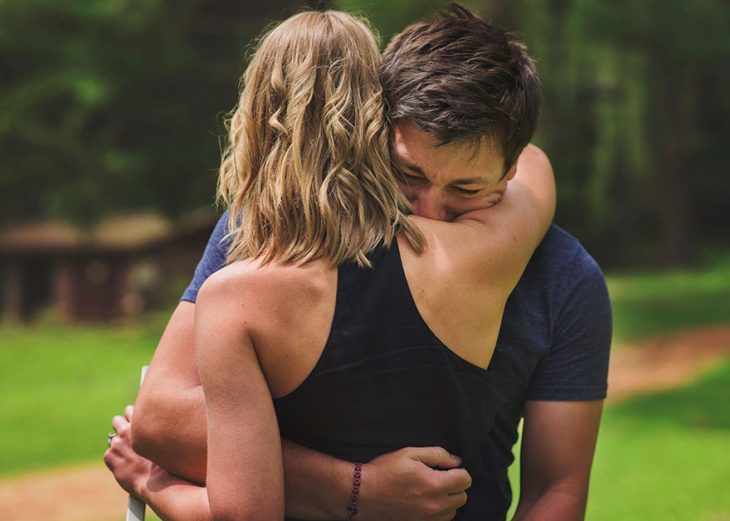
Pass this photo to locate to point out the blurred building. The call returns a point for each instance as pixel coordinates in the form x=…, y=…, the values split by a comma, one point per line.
x=118, y=268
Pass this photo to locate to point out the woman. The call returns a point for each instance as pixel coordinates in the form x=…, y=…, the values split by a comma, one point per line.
x=338, y=316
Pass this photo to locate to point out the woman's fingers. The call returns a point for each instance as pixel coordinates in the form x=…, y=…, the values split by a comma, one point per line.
x=120, y=424
x=128, y=411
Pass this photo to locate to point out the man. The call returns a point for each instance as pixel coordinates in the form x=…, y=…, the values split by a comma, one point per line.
x=448, y=81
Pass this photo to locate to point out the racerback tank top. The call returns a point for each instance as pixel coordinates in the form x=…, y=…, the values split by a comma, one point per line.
x=384, y=381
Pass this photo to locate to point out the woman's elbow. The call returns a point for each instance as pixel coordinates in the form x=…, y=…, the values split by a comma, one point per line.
x=147, y=433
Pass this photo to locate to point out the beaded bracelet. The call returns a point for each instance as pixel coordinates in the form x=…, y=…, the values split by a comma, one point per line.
x=355, y=495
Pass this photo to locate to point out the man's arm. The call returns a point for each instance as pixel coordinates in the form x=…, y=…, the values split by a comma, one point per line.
x=558, y=442
x=565, y=399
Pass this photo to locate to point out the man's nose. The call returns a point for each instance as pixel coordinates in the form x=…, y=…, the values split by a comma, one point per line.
x=429, y=203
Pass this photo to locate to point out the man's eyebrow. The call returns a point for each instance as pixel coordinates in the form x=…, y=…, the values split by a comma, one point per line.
x=470, y=180
x=411, y=166
x=464, y=181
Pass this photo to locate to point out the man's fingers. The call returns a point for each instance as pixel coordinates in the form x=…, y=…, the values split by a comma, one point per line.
x=454, y=481
x=450, y=505
x=128, y=411
x=435, y=457
x=457, y=500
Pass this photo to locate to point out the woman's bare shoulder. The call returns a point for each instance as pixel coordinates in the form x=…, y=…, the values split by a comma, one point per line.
x=270, y=284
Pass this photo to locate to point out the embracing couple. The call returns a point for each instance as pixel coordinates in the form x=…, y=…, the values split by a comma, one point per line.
x=383, y=301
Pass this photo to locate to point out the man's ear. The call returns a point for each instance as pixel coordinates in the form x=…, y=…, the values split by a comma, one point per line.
x=511, y=172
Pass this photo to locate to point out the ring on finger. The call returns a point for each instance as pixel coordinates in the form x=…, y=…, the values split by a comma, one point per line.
x=109, y=438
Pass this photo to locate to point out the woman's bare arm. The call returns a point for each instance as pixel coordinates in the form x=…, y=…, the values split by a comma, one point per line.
x=170, y=426
x=528, y=204
x=245, y=475
x=495, y=243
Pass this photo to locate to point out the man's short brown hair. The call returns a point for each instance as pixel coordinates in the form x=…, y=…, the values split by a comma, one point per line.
x=460, y=78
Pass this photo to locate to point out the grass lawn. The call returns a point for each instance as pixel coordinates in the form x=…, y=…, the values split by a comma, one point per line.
x=658, y=303
x=664, y=456
x=60, y=386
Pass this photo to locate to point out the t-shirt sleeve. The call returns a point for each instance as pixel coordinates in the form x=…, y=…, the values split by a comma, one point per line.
x=213, y=259
x=576, y=366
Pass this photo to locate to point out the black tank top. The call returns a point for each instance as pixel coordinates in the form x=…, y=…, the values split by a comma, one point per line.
x=384, y=381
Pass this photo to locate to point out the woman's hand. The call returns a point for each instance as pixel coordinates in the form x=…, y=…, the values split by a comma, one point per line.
x=170, y=497
x=130, y=469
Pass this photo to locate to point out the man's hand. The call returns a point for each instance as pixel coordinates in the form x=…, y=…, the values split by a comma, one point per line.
x=413, y=484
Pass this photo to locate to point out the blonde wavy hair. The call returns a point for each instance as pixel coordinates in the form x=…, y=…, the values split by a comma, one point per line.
x=307, y=171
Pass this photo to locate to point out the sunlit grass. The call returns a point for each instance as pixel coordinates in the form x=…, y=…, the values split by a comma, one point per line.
x=59, y=387
x=663, y=456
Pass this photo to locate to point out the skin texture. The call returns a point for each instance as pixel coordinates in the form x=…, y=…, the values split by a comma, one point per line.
x=401, y=485
x=445, y=182
x=174, y=498
x=559, y=439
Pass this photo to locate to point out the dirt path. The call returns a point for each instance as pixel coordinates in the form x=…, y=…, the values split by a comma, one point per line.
x=665, y=362
x=89, y=493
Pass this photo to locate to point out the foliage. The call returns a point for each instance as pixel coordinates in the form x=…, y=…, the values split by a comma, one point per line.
x=635, y=119
x=109, y=105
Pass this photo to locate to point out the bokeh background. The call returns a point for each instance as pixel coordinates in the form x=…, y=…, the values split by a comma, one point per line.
x=111, y=119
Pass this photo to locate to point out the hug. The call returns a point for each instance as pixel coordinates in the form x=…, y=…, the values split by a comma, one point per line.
x=384, y=299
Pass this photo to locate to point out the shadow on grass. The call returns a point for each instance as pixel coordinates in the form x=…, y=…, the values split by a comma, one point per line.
x=701, y=405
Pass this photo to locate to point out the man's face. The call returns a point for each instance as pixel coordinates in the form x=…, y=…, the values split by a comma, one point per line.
x=444, y=182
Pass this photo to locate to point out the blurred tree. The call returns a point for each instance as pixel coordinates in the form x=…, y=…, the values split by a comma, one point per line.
x=109, y=105
x=634, y=119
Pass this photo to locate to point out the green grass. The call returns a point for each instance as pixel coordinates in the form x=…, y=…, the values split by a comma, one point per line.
x=666, y=456
x=663, y=456
x=60, y=386
x=658, y=303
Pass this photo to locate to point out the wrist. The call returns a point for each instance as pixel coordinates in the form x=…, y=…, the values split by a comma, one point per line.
x=141, y=484
x=341, y=481
x=352, y=506
x=140, y=489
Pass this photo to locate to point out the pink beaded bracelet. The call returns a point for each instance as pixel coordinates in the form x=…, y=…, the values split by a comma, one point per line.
x=355, y=495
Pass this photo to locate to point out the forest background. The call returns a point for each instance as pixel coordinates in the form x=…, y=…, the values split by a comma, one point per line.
x=118, y=105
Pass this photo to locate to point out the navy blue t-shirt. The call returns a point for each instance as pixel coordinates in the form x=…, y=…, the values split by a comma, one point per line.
x=553, y=346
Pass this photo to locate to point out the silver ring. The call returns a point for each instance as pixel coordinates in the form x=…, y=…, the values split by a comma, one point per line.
x=109, y=438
